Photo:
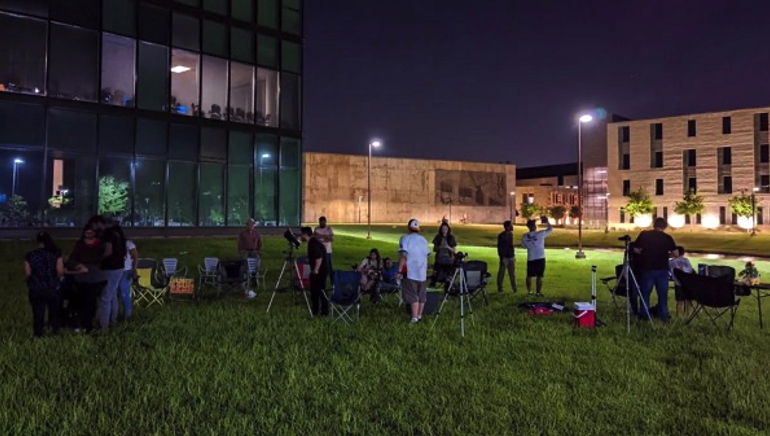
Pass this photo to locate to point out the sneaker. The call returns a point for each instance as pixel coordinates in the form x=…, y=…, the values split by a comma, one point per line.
x=78, y=331
x=530, y=293
x=415, y=320
x=540, y=294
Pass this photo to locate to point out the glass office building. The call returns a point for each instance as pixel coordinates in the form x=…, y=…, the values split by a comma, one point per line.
x=161, y=113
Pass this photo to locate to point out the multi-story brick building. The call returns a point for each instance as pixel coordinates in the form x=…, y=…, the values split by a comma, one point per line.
x=717, y=154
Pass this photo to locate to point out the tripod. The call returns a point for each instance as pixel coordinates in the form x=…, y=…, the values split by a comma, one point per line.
x=462, y=292
x=632, y=288
x=290, y=262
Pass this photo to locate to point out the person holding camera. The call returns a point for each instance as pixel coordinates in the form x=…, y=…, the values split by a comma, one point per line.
x=507, y=257
x=534, y=242
x=444, y=245
x=319, y=269
x=654, y=248
x=414, y=267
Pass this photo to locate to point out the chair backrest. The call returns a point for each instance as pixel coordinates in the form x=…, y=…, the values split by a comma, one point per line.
x=252, y=263
x=347, y=284
x=707, y=291
x=145, y=263
x=388, y=275
x=231, y=270
x=210, y=265
x=144, y=276
x=169, y=265
x=475, y=274
x=721, y=271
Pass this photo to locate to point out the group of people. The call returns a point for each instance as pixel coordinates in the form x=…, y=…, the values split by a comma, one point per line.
x=93, y=279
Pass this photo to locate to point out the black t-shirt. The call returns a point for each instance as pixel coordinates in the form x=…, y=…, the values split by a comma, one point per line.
x=44, y=277
x=655, y=246
x=117, y=260
x=315, y=251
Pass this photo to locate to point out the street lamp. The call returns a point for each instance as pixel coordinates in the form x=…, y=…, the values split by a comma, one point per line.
x=373, y=144
x=754, y=211
x=607, y=213
x=583, y=119
x=16, y=163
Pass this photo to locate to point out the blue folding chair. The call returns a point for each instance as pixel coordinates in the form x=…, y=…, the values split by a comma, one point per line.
x=390, y=285
x=346, y=296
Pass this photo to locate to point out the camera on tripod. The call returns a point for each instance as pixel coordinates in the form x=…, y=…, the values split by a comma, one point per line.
x=292, y=239
x=460, y=258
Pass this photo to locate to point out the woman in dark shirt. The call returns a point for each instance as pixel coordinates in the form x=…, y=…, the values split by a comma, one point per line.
x=112, y=264
x=83, y=265
x=44, y=269
x=444, y=244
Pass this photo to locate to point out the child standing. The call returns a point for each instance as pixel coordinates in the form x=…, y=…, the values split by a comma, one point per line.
x=680, y=263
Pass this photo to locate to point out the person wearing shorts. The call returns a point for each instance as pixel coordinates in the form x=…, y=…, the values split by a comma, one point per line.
x=413, y=266
x=534, y=242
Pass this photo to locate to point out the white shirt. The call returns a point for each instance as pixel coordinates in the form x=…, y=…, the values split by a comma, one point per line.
x=416, y=250
x=679, y=263
x=534, y=242
x=325, y=232
x=129, y=261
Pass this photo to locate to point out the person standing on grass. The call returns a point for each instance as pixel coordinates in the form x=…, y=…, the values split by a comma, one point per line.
x=680, y=263
x=113, y=266
x=325, y=234
x=654, y=247
x=129, y=272
x=249, y=241
x=507, y=257
x=534, y=242
x=444, y=245
x=414, y=268
x=44, y=270
x=316, y=256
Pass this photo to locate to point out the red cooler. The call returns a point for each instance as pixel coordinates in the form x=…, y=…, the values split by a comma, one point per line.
x=585, y=315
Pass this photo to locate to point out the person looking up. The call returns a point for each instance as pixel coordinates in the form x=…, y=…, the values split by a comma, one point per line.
x=534, y=242
x=507, y=256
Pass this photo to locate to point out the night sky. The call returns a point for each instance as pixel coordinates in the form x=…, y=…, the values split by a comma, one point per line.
x=496, y=80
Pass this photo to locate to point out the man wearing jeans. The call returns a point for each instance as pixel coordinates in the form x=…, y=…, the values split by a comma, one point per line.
x=507, y=257
x=653, y=249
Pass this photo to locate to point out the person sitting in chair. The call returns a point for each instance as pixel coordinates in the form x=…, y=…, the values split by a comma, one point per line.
x=371, y=270
x=682, y=263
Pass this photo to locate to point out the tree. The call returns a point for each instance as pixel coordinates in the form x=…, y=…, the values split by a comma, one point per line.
x=639, y=203
x=530, y=210
x=558, y=212
x=113, y=196
x=16, y=210
x=741, y=205
x=691, y=204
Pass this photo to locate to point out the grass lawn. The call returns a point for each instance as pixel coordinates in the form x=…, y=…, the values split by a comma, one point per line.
x=227, y=367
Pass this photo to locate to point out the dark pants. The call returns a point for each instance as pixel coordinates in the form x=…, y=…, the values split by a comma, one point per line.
x=330, y=268
x=506, y=264
x=40, y=301
x=659, y=279
x=84, y=302
x=318, y=303
x=442, y=273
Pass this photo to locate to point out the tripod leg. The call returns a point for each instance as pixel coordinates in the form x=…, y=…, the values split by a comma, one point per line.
x=277, y=283
x=302, y=289
x=440, y=308
x=644, y=304
x=470, y=305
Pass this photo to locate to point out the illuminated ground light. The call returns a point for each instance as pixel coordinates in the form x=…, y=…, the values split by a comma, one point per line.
x=710, y=221
x=713, y=256
x=676, y=221
x=643, y=220
x=745, y=222
x=746, y=259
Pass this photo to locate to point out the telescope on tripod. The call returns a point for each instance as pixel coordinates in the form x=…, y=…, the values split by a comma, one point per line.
x=290, y=265
x=461, y=291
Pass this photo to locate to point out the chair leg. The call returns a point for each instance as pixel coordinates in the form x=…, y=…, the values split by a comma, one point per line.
x=694, y=314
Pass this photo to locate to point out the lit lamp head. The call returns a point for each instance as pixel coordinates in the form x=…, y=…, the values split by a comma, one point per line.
x=18, y=161
x=586, y=118
x=756, y=189
x=375, y=144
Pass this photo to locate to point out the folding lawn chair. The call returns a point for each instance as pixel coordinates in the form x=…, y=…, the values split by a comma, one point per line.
x=172, y=268
x=390, y=285
x=232, y=275
x=253, y=272
x=714, y=296
x=148, y=286
x=476, y=278
x=617, y=286
x=346, y=296
x=208, y=273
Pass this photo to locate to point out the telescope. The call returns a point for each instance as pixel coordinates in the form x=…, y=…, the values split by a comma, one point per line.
x=291, y=238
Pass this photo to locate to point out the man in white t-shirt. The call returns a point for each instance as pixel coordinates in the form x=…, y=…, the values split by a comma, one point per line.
x=534, y=242
x=129, y=272
x=414, y=267
x=325, y=234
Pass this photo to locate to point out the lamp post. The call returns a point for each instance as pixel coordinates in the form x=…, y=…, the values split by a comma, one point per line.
x=16, y=163
x=372, y=144
x=607, y=213
x=583, y=119
x=513, y=200
x=754, y=211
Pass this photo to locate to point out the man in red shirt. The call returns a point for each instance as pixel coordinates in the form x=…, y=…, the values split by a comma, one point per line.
x=249, y=242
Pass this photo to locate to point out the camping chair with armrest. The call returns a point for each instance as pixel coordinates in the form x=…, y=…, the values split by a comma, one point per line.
x=148, y=285
x=208, y=273
x=254, y=273
x=617, y=286
x=390, y=285
x=232, y=275
x=346, y=296
x=172, y=268
x=713, y=296
x=476, y=279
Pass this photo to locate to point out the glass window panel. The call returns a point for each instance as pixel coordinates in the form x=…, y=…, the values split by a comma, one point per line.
x=216, y=6
x=152, y=80
x=242, y=45
x=72, y=63
x=21, y=124
x=238, y=183
x=241, y=93
x=81, y=12
x=291, y=56
x=214, y=38
x=70, y=130
x=267, y=97
x=30, y=7
x=243, y=10
x=267, y=13
x=291, y=17
x=119, y=16
x=290, y=153
x=267, y=51
x=214, y=94
x=241, y=150
x=186, y=32
x=184, y=82
x=267, y=149
x=22, y=54
x=183, y=142
x=116, y=134
x=149, y=207
x=213, y=144
x=181, y=193
x=290, y=101
x=20, y=202
x=211, y=211
x=70, y=189
x=153, y=23
x=265, y=188
x=118, y=76
x=289, y=197
x=151, y=137
x=114, y=189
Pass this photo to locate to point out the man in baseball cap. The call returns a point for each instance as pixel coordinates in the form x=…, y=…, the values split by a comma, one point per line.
x=414, y=259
